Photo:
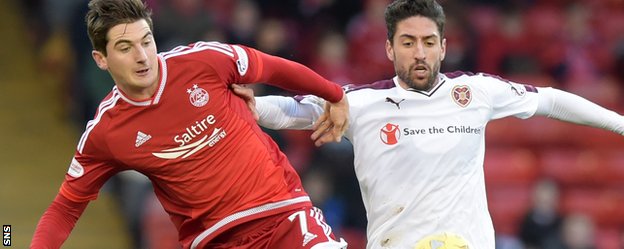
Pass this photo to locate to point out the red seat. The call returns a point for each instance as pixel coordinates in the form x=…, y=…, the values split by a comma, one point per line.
x=597, y=138
x=513, y=166
x=604, y=205
x=507, y=205
x=609, y=238
x=484, y=19
x=614, y=167
x=542, y=131
x=535, y=131
x=574, y=166
x=546, y=22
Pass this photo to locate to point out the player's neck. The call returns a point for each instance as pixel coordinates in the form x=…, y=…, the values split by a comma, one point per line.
x=425, y=87
x=138, y=93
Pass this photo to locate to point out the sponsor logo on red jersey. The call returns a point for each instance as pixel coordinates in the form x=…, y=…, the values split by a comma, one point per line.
x=75, y=169
x=141, y=138
x=194, y=132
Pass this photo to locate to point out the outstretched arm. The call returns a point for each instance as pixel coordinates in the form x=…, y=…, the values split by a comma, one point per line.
x=572, y=108
x=301, y=79
x=278, y=112
x=57, y=222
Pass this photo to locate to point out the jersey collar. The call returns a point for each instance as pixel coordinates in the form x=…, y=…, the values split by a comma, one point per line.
x=161, y=87
x=441, y=80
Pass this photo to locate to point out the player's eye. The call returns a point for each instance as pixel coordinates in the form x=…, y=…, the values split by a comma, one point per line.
x=430, y=42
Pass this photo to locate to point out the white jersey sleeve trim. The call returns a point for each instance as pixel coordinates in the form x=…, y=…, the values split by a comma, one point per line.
x=104, y=106
x=572, y=108
x=200, y=46
x=163, y=79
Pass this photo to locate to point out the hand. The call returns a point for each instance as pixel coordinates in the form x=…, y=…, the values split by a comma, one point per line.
x=333, y=123
x=247, y=94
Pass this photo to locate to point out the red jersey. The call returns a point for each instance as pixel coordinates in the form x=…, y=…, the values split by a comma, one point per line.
x=211, y=165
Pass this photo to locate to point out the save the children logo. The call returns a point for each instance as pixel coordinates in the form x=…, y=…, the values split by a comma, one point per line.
x=390, y=134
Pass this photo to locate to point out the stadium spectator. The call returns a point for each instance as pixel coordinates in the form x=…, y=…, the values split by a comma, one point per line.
x=577, y=232
x=542, y=221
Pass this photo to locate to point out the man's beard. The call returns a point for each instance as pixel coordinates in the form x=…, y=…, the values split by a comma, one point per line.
x=408, y=78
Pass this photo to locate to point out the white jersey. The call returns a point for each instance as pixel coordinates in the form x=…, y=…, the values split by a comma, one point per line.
x=419, y=155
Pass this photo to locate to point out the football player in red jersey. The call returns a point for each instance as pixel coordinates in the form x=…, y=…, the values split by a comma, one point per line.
x=172, y=117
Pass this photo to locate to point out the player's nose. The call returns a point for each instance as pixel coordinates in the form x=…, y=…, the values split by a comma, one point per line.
x=140, y=55
x=419, y=51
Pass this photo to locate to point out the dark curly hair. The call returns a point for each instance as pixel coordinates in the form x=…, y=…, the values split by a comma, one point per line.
x=400, y=10
x=105, y=14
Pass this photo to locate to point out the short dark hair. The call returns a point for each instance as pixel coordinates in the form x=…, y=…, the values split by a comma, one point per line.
x=105, y=14
x=400, y=10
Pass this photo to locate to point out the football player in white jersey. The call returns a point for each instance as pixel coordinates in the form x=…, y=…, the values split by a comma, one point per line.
x=419, y=138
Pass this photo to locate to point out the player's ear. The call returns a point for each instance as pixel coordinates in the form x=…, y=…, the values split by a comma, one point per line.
x=389, y=50
x=99, y=59
x=443, y=47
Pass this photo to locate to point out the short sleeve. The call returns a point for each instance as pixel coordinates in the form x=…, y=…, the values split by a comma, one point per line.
x=508, y=98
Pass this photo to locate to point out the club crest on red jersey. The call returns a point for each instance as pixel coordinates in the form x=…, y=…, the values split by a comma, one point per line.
x=198, y=96
x=390, y=134
x=461, y=95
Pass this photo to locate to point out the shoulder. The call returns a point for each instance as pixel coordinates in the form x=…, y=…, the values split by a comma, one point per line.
x=363, y=96
x=478, y=80
x=470, y=77
x=202, y=48
x=477, y=77
x=489, y=84
x=97, y=128
x=378, y=85
x=218, y=56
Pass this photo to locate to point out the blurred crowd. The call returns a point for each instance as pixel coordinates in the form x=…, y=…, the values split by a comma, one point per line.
x=573, y=45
